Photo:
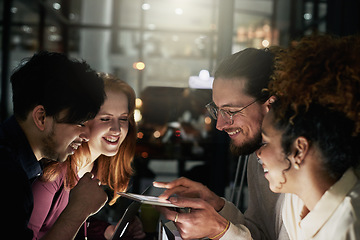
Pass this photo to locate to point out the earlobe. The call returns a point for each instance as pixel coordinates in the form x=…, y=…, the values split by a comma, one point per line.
x=39, y=116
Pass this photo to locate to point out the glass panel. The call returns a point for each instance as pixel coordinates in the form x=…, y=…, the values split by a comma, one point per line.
x=252, y=24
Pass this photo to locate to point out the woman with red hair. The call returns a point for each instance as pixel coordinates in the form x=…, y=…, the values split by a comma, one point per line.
x=108, y=155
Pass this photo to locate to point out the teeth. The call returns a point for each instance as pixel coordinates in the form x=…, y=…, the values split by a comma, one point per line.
x=111, y=139
x=235, y=132
x=265, y=170
x=74, y=146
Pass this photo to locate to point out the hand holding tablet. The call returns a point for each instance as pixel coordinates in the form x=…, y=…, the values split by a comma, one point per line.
x=151, y=200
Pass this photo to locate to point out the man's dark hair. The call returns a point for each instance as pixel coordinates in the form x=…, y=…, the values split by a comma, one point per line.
x=57, y=83
x=255, y=65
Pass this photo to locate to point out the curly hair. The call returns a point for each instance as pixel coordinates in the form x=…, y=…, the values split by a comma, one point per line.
x=320, y=69
x=317, y=81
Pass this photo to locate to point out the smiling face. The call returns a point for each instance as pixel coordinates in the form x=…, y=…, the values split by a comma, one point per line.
x=245, y=131
x=273, y=159
x=62, y=140
x=110, y=126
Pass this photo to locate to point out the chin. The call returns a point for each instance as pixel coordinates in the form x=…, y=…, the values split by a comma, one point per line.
x=276, y=188
x=110, y=153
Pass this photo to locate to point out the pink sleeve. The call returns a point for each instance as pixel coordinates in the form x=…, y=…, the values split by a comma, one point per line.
x=43, y=194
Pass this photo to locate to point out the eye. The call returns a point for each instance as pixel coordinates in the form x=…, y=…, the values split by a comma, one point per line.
x=262, y=144
x=104, y=119
x=123, y=119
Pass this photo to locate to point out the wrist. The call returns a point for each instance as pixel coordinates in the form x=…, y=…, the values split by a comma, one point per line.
x=76, y=212
x=222, y=231
x=219, y=204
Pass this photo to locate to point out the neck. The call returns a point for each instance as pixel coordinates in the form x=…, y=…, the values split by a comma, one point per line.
x=314, y=183
x=33, y=138
x=88, y=167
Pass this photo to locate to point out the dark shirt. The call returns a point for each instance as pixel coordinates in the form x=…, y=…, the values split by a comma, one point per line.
x=19, y=168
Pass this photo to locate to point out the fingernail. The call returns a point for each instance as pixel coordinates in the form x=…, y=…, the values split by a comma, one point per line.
x=173, y=199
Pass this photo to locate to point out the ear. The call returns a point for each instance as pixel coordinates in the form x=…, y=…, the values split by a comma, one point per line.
x=268, y=103
x=39, y=115
x=301, y=147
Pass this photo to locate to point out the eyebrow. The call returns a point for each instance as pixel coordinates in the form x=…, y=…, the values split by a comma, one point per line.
x=109, y=114
x=231, y=105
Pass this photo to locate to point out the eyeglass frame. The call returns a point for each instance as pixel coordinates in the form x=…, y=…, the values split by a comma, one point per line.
x=223, y=112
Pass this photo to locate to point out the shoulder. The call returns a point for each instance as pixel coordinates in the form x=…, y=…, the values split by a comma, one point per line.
x=52, y=186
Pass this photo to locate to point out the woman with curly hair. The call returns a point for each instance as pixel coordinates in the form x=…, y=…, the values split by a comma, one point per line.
x=108, y=155
x=311, y=137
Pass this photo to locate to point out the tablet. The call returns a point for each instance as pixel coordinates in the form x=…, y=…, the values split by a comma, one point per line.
x=148, y=200
x=124, y=222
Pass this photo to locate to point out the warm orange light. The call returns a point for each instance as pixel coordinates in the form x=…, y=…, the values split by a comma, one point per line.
x=139, y=65
x=207, y=120
x=144, y=155
x=140, y=135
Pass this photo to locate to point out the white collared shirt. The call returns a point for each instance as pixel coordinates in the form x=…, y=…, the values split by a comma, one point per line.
x=335, y=216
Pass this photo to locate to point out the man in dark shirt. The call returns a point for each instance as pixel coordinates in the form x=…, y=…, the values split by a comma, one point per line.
x=53, y=96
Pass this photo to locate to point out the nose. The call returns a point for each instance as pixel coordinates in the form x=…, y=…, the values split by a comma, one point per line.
x=115, y=127
x=223, y=123
x=85, y=133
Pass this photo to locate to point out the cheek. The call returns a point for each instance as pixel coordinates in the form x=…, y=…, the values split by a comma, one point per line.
x=96, y=131
x=252, y=124
x=124, y=132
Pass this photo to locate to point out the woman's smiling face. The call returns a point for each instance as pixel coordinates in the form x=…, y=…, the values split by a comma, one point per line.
x=272, y=157
x=110, y=126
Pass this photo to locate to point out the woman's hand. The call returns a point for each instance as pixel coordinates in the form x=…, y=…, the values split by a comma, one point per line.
x=134, y=231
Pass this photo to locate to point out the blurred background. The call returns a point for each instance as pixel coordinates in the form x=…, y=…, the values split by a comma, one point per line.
x=167, y=51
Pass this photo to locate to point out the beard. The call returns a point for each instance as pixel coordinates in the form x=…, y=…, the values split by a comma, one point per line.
x=49, y=146
x=247, y=147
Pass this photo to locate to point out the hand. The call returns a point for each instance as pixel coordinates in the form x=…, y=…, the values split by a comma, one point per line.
x=109, y=231
x=86, y=199
x=135, y=229
x=185, y=187
x=87, y=196
x=202, y=221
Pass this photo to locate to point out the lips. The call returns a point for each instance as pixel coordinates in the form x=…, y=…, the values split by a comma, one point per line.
x=113, y=140
x=234, y=132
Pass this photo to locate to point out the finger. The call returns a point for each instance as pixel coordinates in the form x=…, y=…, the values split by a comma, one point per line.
x=88, y=175
x=178, y=182
x=167, y=213
x=194, y=203
x=160, y=184
x=140, y=235
x=176, y=190
x=97, y=181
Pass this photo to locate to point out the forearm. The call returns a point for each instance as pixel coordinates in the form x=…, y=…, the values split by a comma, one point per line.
x=67, y=225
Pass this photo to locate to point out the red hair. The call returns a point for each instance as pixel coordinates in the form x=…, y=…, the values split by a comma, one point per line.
x=113, y=171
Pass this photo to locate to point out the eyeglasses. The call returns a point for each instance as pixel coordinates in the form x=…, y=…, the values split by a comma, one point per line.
x=226, y=114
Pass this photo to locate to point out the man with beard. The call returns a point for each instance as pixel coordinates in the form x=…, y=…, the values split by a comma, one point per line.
x=53, y=97
x=240, y=102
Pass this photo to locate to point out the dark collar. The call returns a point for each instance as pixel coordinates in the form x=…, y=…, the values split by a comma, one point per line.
x=14, y=139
